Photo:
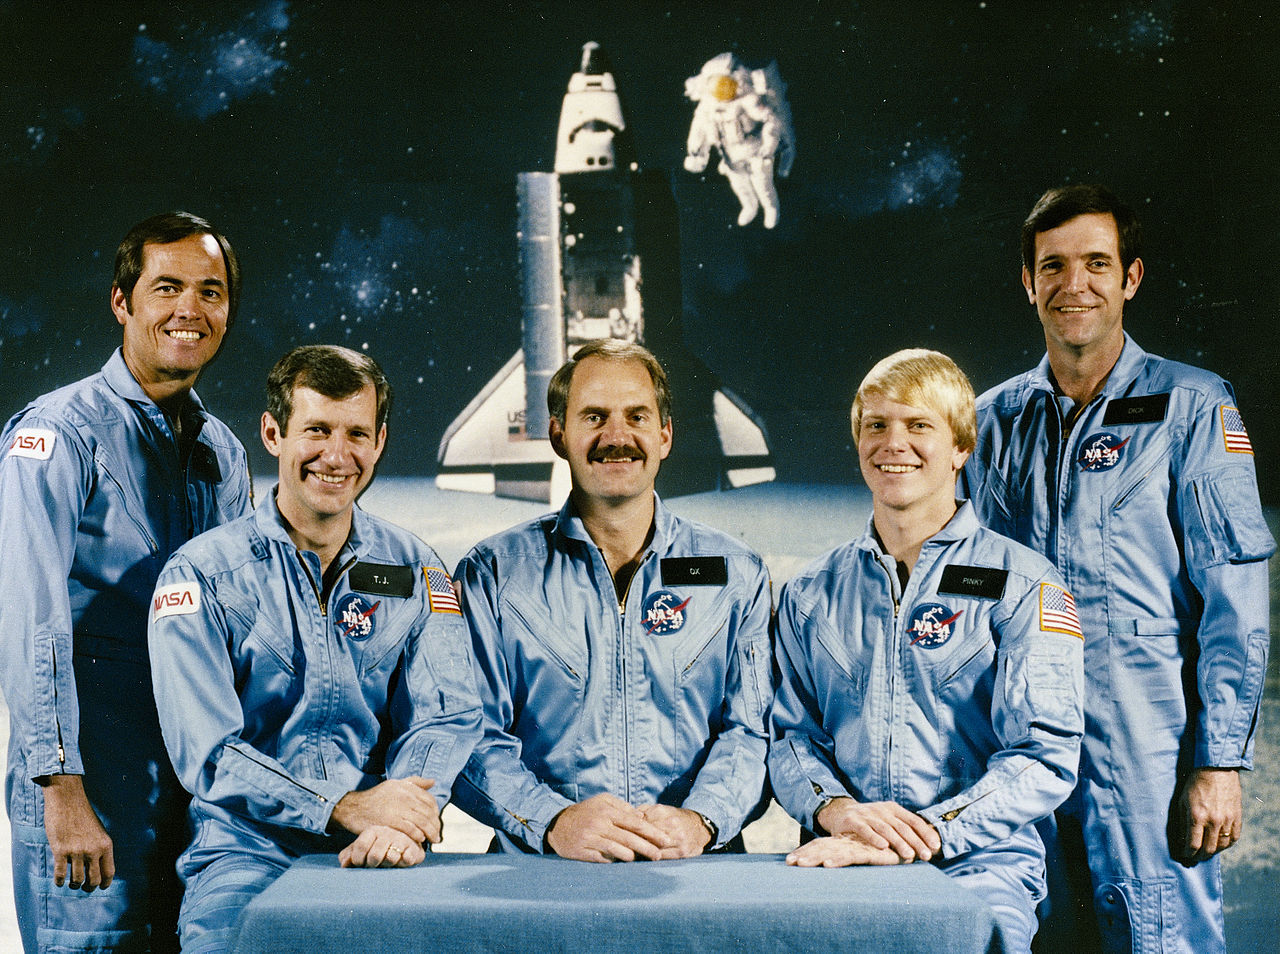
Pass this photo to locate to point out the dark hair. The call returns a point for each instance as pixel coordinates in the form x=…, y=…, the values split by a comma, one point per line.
x=331, y=370
x=1066, y=202
x=161, y=230
x=611, y=349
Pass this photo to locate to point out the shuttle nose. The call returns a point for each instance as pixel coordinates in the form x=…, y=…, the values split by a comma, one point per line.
x=593, y=61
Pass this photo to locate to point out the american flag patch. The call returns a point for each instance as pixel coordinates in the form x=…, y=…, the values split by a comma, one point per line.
x=1058, y=611
x=1233, y=432
x=440, y=591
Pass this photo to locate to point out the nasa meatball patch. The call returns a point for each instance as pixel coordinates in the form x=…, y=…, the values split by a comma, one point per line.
x=665, y=612
x=1101, y=452
x=354, y=617
x=932, y=625
x=176, y=599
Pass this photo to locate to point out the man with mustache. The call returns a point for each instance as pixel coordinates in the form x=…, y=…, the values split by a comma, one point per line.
x=623, y=652
x=99, y=483
x=1134, y=475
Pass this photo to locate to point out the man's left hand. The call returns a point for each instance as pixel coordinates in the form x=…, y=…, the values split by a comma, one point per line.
x=1211, y=812
x=686, y=828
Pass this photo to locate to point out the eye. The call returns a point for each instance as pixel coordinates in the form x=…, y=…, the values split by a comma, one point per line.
x=213, y=294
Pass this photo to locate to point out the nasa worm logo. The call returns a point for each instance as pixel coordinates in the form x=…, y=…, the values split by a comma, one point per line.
x=1101, y=452
x=664, y=613
x=354, y=617
x=931, y=625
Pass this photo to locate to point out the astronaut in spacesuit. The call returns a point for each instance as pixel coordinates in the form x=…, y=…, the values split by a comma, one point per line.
x=743, y=114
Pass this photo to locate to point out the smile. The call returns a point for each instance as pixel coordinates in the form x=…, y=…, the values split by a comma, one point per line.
x=897, y=468
x=329, y=478
x=184, y=335
x=1074, y=309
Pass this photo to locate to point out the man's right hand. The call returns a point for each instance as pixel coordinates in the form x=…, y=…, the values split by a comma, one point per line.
x=881, y=825
x=605, y=828
x=405, y=804
x=83, y=856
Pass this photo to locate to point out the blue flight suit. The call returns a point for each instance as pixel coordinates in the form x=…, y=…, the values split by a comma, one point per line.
x=1148, y=505
x=958, y=697
x=660, y=700
x=281, y=689
x=95, y=494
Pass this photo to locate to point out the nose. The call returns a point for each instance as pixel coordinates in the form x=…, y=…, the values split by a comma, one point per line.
x=188, y=304
x=614, y=430
x=336, y=449
x=1075, y=277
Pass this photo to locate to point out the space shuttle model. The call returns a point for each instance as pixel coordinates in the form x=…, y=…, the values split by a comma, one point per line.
x=598, y=258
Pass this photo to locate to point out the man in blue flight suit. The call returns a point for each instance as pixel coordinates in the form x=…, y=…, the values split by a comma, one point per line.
x=623, y=652
x=930, y=672
x=311, y=664
x=1134, y=475
x=99, y=483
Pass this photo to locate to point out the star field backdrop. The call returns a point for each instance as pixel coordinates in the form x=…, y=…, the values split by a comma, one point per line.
x=362, y=158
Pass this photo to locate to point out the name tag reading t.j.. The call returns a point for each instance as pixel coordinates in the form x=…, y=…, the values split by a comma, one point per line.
x=695, y=571
x=381, y=579
x=984, y=581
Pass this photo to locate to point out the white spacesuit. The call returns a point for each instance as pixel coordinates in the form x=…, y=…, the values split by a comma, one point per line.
x=744, y=114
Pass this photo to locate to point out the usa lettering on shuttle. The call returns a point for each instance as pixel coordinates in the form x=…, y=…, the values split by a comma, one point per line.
x=176, y=599
x=34, y=442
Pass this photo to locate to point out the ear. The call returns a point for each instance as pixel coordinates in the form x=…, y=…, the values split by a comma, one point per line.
x=119, y=304
x=556, y=435
x=664, y=448
x=271, y=434
x=1132, y=279
x=381, y=444
x=1029, y=285
x=958, y=458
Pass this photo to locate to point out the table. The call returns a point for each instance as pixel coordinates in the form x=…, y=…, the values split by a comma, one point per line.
x=461, y=903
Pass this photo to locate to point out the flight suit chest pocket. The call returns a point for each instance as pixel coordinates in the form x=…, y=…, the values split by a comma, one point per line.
x=528, y=627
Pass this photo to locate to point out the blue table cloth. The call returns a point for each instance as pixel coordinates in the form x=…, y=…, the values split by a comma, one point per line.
x=460, y=903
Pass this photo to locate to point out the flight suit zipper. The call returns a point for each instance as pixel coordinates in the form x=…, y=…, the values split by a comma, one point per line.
x=624, y=646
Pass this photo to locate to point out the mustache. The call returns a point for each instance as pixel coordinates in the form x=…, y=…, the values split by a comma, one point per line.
x=617, y=452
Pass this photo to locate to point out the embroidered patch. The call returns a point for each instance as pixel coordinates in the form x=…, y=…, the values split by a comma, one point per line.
x=34, y=442
x=1233, y=432
x=354, y=617
x=176, y=599
x=931, y=625
x=1058, y=611
x=440, y=591
x=1101, y=451
x=665, y=612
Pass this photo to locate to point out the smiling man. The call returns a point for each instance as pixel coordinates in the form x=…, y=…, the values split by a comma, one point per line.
x=99, y=483
x=929, y=697
x=1134, y=475
x=623, y=652
x=311, y=665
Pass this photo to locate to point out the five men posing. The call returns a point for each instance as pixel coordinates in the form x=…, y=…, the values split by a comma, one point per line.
x=600, y=684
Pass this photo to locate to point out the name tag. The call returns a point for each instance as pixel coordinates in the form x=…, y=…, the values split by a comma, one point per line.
x=382, y=580
x=984, y=581
x=695, y=571
x=1136, y=410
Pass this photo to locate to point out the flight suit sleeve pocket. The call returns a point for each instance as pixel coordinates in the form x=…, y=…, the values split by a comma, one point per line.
x=1227, y=525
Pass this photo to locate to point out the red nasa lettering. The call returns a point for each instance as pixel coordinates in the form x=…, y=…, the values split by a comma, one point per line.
x=173, y=600
x=30, y=442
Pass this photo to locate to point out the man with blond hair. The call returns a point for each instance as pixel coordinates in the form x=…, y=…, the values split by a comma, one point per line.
x=929, y=698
